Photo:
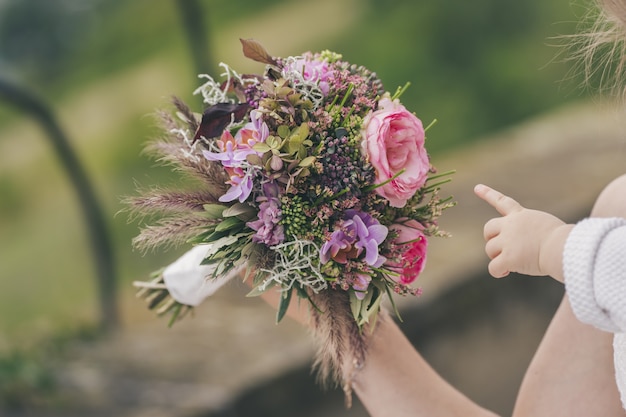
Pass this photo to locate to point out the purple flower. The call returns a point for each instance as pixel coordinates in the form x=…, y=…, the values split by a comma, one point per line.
x=233, y=150
x=268, y=228
x=241, y=185
x=360, y=284
x=258, y=125
x=370, y=234
x=230, y=156
x=339, y=246
x=359, y=232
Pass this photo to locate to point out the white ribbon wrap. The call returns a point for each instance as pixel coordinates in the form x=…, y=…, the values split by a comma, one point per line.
x=190, y=283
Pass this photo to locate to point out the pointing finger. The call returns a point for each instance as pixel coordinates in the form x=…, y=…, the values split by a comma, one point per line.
x=502, y=203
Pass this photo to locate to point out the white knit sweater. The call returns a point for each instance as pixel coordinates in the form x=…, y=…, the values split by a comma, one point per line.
x=594, y=266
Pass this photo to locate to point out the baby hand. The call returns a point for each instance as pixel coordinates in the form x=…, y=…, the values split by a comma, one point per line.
x=525, y=241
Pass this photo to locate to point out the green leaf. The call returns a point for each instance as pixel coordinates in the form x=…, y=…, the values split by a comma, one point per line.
x=220, y=254
x=302, y=293
x=370, y=305
x=355, y=306
x=301, y=132
x=308, y=161
x=366, y=304
x=212, y=237
x=228, y=241
x=256, y=291
x=175, y=313
x=227, y=224
x=261, y=147
x=292, y=147
x=221, y=269
x=254, y=159
x=273, y=142
x=238, y=209
x=283, y=305
x=283, y=131
x=393, y=303
x=214, y=211
x=248, y=249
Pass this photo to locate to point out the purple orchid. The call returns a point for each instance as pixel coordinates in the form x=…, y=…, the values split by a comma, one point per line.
x=370, y=234
x=233, y=150
x=230, y=156
x=358, y=232
x=339, y=246
x=241, y=185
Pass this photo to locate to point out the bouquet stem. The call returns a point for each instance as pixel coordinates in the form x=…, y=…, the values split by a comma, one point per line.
x=158, y=298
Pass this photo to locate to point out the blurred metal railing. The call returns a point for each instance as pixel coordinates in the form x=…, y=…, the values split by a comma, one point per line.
x=29, y=103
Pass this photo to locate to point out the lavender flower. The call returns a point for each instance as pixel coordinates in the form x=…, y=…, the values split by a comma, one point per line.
x=359, y=232
x=360, y=284
x=230, y=155
x=233, y=150
x=370, y=234
x=268, y=228
x=339, y=246
x=241, y=185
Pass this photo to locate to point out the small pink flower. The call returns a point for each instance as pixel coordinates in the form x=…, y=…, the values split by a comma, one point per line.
x=413, y=247
x=312, y=69
x=393, y=140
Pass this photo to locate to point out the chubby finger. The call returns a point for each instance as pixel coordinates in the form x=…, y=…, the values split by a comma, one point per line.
x=493, y=248
x=497, y=269
x=492, y=228
x=502, y=203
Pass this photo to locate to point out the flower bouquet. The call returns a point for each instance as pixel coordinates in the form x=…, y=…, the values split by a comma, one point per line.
x=313, y=180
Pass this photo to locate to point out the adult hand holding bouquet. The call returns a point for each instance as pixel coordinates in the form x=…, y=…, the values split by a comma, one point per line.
x=314, y=182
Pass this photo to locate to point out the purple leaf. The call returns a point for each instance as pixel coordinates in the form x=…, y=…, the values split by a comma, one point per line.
x=217, y=117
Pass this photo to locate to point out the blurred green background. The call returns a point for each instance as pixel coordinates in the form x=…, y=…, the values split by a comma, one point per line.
x=105, y=66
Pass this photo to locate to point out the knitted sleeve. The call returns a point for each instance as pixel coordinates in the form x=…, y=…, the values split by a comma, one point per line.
x=594, y=266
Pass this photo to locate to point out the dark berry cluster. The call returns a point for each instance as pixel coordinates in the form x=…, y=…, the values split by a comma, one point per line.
x=343, y=168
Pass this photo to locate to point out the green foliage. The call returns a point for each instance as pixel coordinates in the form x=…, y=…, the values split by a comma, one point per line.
x=27, y=378
x=59, y=46
x=24, y=381
x=476, y=66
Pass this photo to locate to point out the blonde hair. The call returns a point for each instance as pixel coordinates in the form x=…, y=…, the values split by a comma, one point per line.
x=602, y=49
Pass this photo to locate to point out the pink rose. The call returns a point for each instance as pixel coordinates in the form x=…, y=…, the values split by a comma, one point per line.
x=393, y=140
x=411, y=259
